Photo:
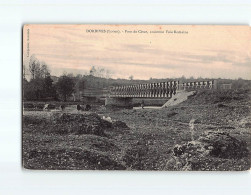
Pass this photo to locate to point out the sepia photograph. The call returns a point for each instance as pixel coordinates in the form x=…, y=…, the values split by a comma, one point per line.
x=136, y=97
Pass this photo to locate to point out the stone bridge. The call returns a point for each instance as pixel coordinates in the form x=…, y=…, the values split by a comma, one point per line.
x=123, y=95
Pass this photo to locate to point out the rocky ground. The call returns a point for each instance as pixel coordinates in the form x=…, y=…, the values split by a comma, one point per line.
x=209, y=131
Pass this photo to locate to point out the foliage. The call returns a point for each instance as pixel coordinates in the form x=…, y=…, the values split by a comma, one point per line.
x=43, y=86
x=48, y=88
x=65, y=86
x=39, y=88
x=33, y=90
x=38, y=69
x=100, y=72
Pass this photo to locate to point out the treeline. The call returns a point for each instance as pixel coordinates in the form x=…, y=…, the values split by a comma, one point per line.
x=61, y=88
x=43, y=86
x=46, y=89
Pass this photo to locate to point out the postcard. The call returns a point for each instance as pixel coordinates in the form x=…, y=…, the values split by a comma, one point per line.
x=136, y=97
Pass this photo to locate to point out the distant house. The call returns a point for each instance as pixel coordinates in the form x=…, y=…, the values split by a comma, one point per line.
x=226, y=86
x=89, y=94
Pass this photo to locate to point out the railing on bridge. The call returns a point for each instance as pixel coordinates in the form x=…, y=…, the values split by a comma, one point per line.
x=158, y=90
x=198, y=85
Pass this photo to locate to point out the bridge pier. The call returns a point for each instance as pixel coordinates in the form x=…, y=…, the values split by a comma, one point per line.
x=122, y=102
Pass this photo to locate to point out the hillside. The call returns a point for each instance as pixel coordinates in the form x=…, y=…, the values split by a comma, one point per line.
x=209, y=131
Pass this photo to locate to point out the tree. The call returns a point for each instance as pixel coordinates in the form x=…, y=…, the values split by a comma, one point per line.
x=48, y=88
x=35, y=89
x=183, y=78
x=65, y=86
x=93, y=71
x=24, y=72
x=100, y=72
x=39, y=88
x=25, y=88
x=34, y=67
x=71, y=75
x=131, y=77
x=79, y=76
x=38, y=69
x=108, y=74
x=190, y=79
x=44, y=71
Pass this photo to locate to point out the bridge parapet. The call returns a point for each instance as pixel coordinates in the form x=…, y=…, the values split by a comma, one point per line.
x=198, y=85
x=159, y=90
x=147, y=90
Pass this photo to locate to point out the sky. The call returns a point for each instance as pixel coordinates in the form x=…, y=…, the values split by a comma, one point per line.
x=125, y=50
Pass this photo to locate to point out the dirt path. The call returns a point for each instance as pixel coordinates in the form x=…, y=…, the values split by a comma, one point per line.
x=178, y=98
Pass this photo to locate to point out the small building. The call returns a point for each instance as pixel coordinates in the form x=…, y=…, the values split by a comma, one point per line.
x=226, y=86
x=90, y=94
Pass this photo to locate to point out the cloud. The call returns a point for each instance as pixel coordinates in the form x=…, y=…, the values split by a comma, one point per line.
x=70, y=48
x=245, y=63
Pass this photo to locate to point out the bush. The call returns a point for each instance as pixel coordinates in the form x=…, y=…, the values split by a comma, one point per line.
x=209, y=152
